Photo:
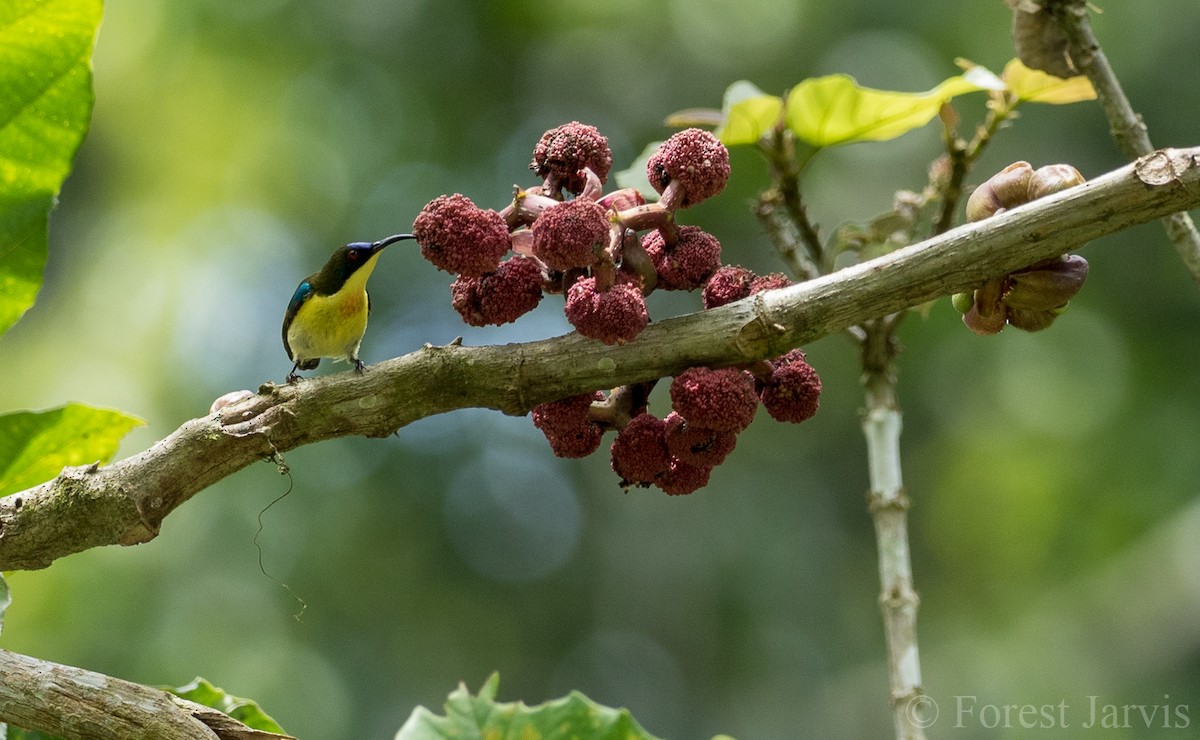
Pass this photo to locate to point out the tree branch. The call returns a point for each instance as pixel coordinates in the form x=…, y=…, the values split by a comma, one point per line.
x=126, y=502
x=76, y=703
x=1128, y=128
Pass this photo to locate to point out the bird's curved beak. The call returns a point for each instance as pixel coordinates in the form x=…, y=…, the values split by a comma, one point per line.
x=379, y=245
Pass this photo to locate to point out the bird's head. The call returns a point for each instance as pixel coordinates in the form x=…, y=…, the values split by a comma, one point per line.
x=350, y=259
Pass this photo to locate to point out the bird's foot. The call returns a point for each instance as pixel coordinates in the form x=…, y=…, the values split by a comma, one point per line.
x=359, y=367
x=292, y=377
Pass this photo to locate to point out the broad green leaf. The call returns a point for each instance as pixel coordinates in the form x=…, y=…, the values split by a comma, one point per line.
x=45, y=106
x=635, y=176
x=36, y=445
x=827, y=111
x=574, y=716
x=747, y=114
x=243, y=710
x=1031, y=86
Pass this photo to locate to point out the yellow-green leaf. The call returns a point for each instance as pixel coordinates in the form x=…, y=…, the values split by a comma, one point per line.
x=826, y=111
x=45, y=106
x=36, y=445
x=747, y=114
x=1031, y=86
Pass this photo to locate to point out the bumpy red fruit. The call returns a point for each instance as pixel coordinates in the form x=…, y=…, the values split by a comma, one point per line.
x=721, y=399
x=505, y=295
x=686, y=264
x=639, y=453
x=683, y=478
x=696, y=159
x=567, y=426
x=793, y=391
x=728, y=284
x=564, y=151
x=571, y=234
x=695, y=445
x=614, y=316
x=770, y=281
x=457, y=236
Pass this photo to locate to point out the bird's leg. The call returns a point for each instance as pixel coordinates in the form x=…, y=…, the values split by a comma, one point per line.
x=359, y=367
x=293, y=376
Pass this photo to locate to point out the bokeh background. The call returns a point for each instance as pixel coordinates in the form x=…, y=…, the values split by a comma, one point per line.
x=1056, y=518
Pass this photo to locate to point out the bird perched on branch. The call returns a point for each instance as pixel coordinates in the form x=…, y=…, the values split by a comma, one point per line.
x=327, y=315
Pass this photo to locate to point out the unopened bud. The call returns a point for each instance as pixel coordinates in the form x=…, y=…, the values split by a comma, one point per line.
x=1006, y=189
x=1047, y=285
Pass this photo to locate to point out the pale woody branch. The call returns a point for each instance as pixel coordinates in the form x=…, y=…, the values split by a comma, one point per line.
x=76, y=703
x=126, y=502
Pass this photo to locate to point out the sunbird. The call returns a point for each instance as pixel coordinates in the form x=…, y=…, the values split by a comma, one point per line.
x=327, y=315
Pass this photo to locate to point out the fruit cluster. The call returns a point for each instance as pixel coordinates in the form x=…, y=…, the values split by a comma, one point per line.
x=566, y=236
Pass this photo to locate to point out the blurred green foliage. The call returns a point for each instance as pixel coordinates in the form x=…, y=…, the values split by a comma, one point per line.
x=233, y=145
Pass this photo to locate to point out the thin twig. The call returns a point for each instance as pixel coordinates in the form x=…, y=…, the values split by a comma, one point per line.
x=780, y=152
x=888, y=504
x=1128, y=129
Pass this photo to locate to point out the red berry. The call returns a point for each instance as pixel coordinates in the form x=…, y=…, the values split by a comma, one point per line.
x=639, y=453
x=571, y=234
x=694, y=157
x=770, y=281
x=728, y=284
x=567, y=426
x=696, y=445
x=564, y=151
x=683, y=478
x=721, y=399
x=686, y=264
x=793, y=391
x=459, y=237
x=614, y=316
x=505, y=295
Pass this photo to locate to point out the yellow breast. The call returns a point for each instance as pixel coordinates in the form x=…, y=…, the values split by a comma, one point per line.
x=329, y=326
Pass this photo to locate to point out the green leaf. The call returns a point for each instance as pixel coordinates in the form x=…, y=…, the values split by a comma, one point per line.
x=827, y=111
x=635, y=176
x=45, y=106
x=1031, y=86
x=36, y=445
x=574, y=716
x=748, y=114
x=243, y=710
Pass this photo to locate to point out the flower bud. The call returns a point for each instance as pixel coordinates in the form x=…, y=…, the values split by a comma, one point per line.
x=1008, y=188
x=1046, y=285
x=962, y=302
x=1052, y=178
